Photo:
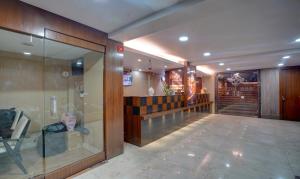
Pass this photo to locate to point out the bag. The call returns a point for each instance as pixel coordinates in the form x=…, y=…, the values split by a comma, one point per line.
x=55, y=139
x=70, y=120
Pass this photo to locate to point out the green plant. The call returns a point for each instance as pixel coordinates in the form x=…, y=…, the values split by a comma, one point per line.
x=166, y=89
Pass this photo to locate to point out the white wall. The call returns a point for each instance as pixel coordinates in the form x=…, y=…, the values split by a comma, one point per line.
x=208, y=82
x=140, y=87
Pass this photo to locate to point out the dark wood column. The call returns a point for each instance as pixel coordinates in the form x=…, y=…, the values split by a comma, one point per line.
x=185, y=82
x=113, y=95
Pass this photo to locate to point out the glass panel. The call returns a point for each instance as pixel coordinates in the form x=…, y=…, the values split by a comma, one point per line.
x=21, y=105
x=238, y=93
x=73, y=104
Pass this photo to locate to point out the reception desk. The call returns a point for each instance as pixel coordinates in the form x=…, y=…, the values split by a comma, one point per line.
x=149, y=118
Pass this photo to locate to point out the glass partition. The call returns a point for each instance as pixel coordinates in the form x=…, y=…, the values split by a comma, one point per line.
x=51, y=105
x=73, y=104
x=237, y=93
x=21, y=104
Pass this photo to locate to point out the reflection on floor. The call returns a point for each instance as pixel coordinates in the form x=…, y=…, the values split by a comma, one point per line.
x=34, y=163
x=215, y=147
x=240, y=109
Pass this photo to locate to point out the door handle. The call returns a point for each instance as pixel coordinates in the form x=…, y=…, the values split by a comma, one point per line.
x=282, y=115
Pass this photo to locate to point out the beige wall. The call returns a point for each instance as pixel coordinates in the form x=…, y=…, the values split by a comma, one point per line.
x=28, y=83
x=58, y=86
x=269, y=93
x=208, y=82
x=21, y=86
x=93, y=102
x=140, y=84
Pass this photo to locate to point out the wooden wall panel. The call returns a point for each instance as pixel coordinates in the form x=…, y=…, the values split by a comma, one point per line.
x=18, y=16
x=11, y=15
x=185, y=82
x=49, y=34
x=269, y=93
x=113, y=100
x=199, y=84
x=290, y=93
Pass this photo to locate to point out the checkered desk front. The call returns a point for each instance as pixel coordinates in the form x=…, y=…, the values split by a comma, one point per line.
x=151, y=104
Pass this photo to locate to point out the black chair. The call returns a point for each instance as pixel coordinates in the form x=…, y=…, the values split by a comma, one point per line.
x=13, y=144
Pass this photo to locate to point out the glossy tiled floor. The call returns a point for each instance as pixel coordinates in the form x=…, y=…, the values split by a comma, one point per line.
x=215, y=147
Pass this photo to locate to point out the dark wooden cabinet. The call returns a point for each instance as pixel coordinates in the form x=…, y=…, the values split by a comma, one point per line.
x=290, y=94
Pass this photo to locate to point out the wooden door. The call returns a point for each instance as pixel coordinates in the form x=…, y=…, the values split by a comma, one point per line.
x=290, y=94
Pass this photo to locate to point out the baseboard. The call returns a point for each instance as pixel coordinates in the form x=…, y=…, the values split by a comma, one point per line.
x=270, y=116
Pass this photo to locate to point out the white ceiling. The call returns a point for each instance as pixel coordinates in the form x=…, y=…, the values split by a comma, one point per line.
x=158, y=64
x=235, y=32
x=105, y=15
x=244, y=34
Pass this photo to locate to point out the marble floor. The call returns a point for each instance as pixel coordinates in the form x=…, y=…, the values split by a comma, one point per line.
x=214, y=147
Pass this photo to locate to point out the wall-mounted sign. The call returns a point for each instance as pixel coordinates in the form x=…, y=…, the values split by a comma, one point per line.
x=127, y=79
x=120, y=49
x=175, y=80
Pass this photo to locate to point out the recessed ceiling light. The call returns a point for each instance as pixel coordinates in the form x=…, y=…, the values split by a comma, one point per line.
x=228, y=69
x=191, y=155
x=120, y=54
x=207, y=54
x=26, y=53
x=183, y=38
x=227, y=165
x=286, y=57
x=166, y=66
x=280, y=64
x=297, y=40
x=140, y=69
x=79, y=63
x=139, y=60
x=221, y=64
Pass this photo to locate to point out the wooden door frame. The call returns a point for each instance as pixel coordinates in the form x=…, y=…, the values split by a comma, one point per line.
x=282, y=90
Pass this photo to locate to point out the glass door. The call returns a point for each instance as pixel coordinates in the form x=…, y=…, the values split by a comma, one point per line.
x=73, y=114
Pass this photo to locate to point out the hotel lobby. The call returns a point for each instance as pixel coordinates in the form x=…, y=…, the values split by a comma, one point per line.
x=125, y=89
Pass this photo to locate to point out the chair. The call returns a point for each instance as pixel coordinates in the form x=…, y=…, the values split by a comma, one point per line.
x=8, y=121
x=13, y=144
